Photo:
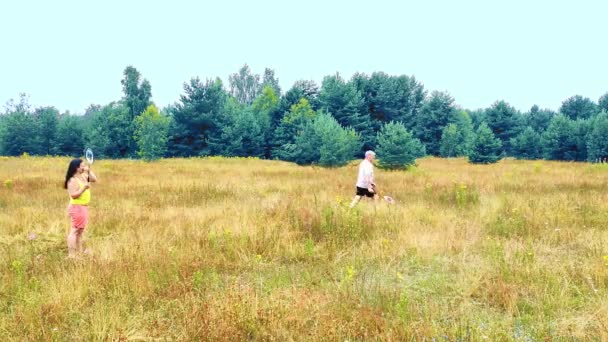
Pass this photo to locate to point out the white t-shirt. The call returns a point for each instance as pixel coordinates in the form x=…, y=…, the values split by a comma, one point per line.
x=366, y=169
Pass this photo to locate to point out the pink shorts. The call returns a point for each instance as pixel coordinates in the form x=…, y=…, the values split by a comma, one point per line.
x=79, y=215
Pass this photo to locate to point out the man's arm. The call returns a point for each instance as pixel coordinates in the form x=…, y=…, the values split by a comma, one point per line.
x=369, y=178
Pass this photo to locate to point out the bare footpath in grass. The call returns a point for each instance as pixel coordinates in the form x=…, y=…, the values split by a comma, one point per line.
x=245, y=249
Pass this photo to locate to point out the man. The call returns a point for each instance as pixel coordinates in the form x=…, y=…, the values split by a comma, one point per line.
x=365, y=180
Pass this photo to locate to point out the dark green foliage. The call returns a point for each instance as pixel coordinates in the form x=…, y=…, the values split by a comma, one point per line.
x=565, y=139
x=242, y=134
x=301, y=89
x=305, y=136
x=487, y=148
x=578, y=107
x=70, y=136
x=266, y=111
x=538, y=119
x=477, y=116
x=390, y=98
x=345, y=103
x=457, y=139
x=269, y=80
x=18, y=128
x=437, y=112
x=151, y=134
x=527, y=145
x=110, y=133
x=47, y=121
x=291, y=126
x=196, y=117
x=505, y=123
x=137, y=93
x=254, y=118
x=397, y=147
x=603, y=103
x=19, y=134
x=597, y=140
x=323, y=141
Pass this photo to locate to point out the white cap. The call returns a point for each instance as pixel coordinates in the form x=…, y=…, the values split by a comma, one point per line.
x=368, y=153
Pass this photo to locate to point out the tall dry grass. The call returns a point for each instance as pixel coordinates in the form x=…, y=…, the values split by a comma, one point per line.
x=241, y=249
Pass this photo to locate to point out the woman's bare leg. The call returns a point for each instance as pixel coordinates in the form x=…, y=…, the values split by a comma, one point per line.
x=74, y=242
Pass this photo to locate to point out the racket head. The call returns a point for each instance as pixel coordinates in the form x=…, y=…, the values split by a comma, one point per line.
x=389, y=199
x=88, y=155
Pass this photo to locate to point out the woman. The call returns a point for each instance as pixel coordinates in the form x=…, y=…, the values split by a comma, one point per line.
x=77, y=182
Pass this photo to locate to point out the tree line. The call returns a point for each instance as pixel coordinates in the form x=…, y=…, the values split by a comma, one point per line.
x=327, y=125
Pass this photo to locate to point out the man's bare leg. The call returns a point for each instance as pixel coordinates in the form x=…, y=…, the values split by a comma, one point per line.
x=355, y=201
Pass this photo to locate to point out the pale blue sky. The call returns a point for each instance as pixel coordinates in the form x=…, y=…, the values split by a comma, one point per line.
x=72, y=53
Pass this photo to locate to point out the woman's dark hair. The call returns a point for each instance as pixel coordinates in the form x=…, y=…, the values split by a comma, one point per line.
x=74, y=165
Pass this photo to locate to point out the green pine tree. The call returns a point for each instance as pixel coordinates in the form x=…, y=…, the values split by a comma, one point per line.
x=565, y=139
x=397, y=147
x=326, y=142
x=436, y=113
x=151, y=134
x=291, y=126
x=487, y=148
x=457, y=138
x=526, y=145
x=597, y=141
x=70, y=136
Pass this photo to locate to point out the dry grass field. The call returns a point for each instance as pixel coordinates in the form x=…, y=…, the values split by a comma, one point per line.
x=246, y=249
